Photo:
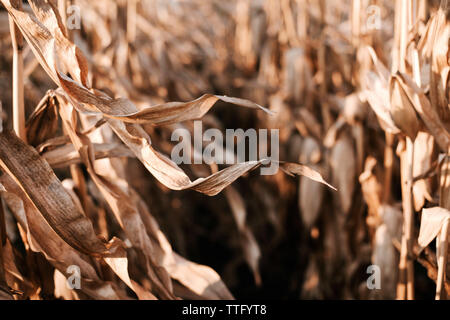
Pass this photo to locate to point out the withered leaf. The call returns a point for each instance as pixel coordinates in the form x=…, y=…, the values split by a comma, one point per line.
x=431, y=224
x=44, y=189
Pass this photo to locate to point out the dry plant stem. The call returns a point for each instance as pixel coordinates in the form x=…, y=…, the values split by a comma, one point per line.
x=62, y=8
x=356, y=22
x=442, y=248
x=289, y=21
x=444, y=201
x=80, y=184
x=405, y=289
x=323, y=85
x=396, y=46
x=302, y=20
x=1, y=117
x=77, y=177
x=442, y=255
x=322, y=56
x=131, y=20
x=429, y=261
x=2, y=242
x=409, y=222
x=18, y=86
x=388, y=161
x=403, y=35
x=396, y=58
x=422, y=10
x=408, y=17
x=411, y=13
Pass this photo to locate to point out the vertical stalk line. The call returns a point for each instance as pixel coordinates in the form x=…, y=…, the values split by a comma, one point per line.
x=442, y=256
x=410, y=16
x=388, y=162
x=443, y=238
x=62, y=9
x=409, y=220
x=322, y=56
x=396, y=46
x=2, y=242
x=289, y=23
x=302, y=21
x=131, y=20
x=422, y=10
x=1, y=117
x=405, y=288
x=17, y=83
x=403, y=34
x=401, y=284
x=406, y=260
x=76, y=172
x=444, y=183
x=356, y=22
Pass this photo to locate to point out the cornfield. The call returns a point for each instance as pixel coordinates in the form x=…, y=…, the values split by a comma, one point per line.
x=91, y=92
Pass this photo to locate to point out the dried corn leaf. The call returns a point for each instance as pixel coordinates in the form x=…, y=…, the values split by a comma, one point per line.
x=66, y=155
x=132, y=135
x=53, y=49
x=401, y=110
x=434, y=45
x=144, y=233
x=431, y=224
x=423, y=153
x=124, y=210
x=42, y=238
x=43, y=123
x=444, y=183
x=423, y=107
x=376, y=92
x=202, y=280
x=44, y=189
x=301, y=170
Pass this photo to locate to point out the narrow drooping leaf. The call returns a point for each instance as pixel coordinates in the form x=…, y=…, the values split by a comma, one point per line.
x=44, y=189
